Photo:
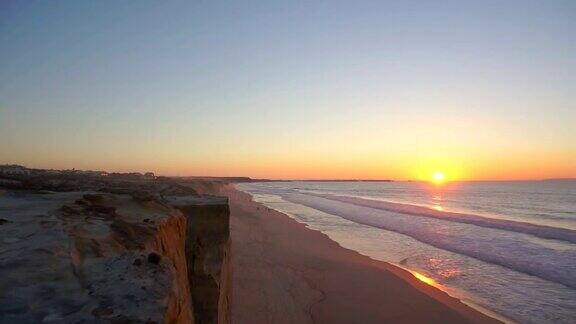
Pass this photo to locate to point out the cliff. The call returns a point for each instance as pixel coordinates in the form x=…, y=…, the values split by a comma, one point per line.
x=208, y=248
x=109, y=257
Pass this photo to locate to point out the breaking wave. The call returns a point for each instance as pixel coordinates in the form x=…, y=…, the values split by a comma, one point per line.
x=509, y=244
x=542, y=231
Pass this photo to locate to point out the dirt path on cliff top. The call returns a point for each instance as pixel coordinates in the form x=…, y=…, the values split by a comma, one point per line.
x=286, y=273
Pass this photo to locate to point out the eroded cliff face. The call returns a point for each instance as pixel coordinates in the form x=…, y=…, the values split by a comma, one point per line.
x=208, y=248
x=103, y=257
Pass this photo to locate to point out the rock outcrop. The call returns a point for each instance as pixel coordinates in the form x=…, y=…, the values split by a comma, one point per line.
x=71, y=257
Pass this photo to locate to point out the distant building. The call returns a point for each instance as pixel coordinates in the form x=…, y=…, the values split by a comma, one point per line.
x=13, y=170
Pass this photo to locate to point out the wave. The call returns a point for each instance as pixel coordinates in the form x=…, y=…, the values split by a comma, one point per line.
x=508, y=249
x=541, y=231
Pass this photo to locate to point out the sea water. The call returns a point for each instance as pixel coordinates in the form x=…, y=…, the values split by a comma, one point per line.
x=506, y=247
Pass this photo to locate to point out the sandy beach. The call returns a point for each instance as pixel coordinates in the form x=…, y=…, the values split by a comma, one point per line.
x=284, y=272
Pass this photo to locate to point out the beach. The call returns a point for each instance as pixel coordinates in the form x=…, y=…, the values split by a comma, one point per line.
x=359, y=162
x=476, y=241
x=284, y=272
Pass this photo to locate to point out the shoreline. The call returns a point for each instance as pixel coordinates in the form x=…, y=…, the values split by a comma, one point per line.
x=466, y=302
x=288, y=273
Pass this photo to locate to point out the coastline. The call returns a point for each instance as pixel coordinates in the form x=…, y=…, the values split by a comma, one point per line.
x=284, y=272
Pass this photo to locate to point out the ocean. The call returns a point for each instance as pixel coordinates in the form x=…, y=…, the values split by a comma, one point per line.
x=507, y=248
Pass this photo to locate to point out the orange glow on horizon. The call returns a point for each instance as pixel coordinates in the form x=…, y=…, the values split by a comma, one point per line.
x=173, y=161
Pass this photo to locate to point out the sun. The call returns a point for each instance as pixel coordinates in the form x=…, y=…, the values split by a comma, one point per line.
x=438, y=177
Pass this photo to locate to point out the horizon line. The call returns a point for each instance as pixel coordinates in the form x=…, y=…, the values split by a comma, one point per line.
x=304, y=179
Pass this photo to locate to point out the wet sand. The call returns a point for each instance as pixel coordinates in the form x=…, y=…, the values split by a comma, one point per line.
x=284, y=272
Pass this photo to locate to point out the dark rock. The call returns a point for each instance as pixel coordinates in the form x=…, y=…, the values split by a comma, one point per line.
x=69, y=210
x=102, y=311
x=81, y=202
x=3, y=221
x=137, y=262
x=143, y=196
x=121, y=319
x=94, y=198
x=130, y=235
x=154, y=258
x=102, y=209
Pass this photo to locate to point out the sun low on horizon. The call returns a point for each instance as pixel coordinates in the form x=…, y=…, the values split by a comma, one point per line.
x=442, y=169
x=438, y=177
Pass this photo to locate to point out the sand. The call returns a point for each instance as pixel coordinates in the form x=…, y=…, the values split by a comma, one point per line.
x=284, y=272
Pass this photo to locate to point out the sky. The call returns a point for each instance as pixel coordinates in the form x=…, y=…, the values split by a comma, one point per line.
x=291, y=89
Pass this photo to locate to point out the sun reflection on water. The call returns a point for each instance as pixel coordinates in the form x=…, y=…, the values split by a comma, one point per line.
x=424, y=279
x=449, y=273
x=436, y=201
x=444, y=269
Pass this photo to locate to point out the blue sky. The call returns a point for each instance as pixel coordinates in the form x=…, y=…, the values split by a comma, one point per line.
x=221, y=88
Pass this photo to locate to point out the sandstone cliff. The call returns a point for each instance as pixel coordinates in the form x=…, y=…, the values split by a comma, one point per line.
x=92, y=257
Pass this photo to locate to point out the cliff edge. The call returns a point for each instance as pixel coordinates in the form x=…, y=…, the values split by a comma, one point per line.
x=85, y=256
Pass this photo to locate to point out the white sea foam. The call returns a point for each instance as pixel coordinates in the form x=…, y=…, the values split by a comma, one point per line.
x=542, y=231
x=517, y=251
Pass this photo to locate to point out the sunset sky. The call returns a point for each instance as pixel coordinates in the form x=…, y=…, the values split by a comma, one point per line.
x=290, y=89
